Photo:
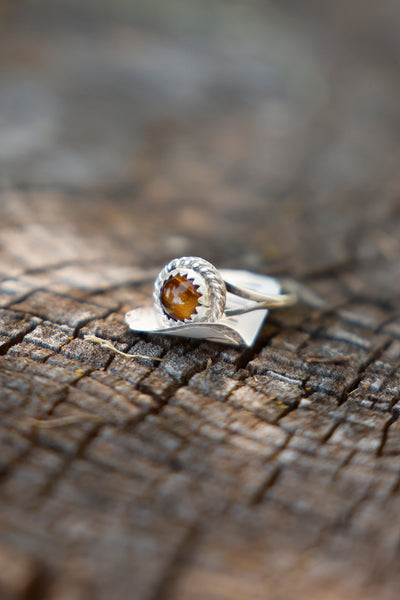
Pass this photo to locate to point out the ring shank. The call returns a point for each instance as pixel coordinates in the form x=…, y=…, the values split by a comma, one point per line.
x=261, y=301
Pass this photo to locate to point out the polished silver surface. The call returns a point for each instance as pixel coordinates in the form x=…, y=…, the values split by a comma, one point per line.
x=240, y=322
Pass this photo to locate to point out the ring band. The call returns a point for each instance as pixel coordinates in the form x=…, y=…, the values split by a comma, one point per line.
x=191, y=290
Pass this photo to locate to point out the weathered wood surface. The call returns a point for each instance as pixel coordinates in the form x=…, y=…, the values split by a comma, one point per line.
x=258, y=135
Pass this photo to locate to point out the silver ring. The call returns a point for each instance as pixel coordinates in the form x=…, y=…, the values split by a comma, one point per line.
x=191, y=290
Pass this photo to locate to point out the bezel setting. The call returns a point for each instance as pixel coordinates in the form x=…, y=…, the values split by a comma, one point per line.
x=211, y=286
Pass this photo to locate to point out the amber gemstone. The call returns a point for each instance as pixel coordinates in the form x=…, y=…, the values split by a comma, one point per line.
x=180, y=297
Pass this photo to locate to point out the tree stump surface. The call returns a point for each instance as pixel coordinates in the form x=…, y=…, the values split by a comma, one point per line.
x=258, y=135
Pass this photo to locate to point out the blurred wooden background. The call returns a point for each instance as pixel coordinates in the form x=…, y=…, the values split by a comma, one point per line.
x=259, y=135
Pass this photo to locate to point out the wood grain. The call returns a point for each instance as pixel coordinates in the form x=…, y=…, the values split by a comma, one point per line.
x=257, y=135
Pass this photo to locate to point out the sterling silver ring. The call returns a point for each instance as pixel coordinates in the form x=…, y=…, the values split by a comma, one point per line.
x=191, y=290
x=194, y=299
